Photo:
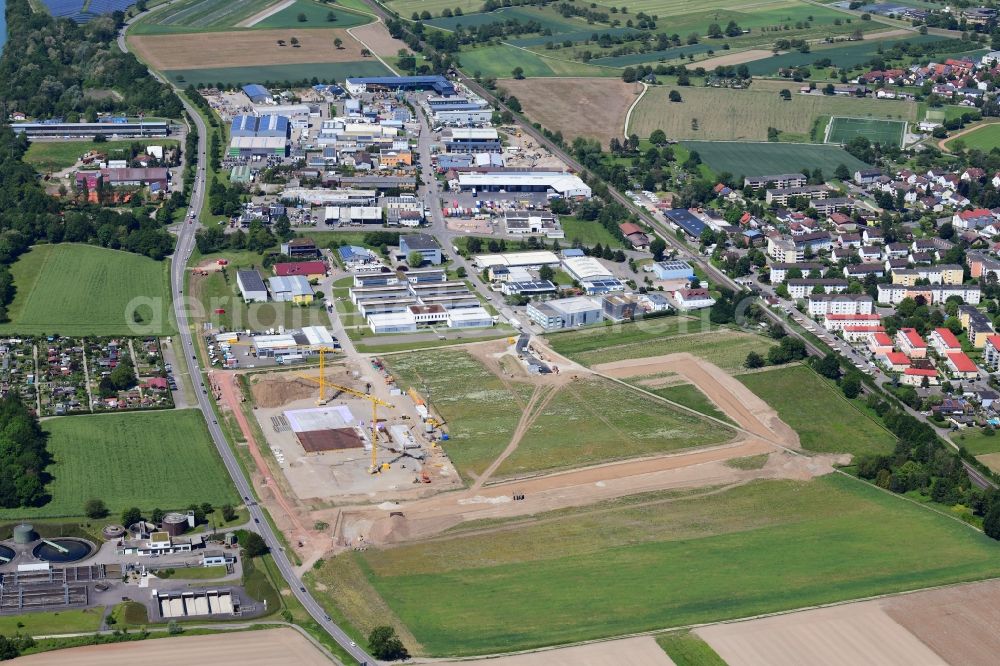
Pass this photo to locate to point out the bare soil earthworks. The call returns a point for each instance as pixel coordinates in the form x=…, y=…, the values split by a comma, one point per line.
x=247, y=648
x=762, y=433
x=238, y=49
x=594, y=108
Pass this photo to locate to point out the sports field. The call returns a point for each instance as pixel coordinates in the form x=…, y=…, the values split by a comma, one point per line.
x=885, y=132
x=198, y=15
x=57, y=155
x=146, y=459
x=839, y=426
x=723, y=114
x=323, y=71
x=75, y=289
x=760, y=159
x=237, y=49
x=637, y=566
x=984, y=138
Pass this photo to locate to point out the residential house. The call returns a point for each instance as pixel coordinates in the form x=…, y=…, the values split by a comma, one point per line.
x=910, y=343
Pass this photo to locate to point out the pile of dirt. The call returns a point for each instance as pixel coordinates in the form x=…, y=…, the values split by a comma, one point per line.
x=277, y=392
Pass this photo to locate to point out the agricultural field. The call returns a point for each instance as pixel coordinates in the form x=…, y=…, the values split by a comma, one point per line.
x=687, y=649
x=239, y=49
x=576, y=429
x=886, y=132
x=79, y=290
x=590, y=107
x=47, y=156
x=725, y=348
x=500, y=61
x=845, y=56
x=160, y=459
x=723, y=114
x=757, y=548
x=235, y=76
x=406, y=7
x=841, y=426
x=198, y=15
x=549, y=19
x=758, y=159
x=316, y=17
x=985, y=138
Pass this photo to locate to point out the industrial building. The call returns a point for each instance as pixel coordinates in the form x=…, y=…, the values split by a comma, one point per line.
x=473, y=140
x=425, y=244
x=259, y=135
x=304, y=342
x=565, y=312
x=530, y=260
x=459, y=117
x=558, y=182
x=330, y=197
x=437, y=83
x=251, y=286
x=685, y=219
x=294, y=288
x=526, y=222
x=128, y=129
x=672, y=270
x=257, y=94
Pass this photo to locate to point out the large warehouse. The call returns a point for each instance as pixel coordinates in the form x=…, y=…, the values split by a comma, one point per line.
x=136, y=128
x=259, y=135
x=437, y=83
x=563, y=184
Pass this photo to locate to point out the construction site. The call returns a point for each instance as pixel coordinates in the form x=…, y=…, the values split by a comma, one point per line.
x=339, y=435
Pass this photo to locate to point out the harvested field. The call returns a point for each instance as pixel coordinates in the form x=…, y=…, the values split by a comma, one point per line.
x=737, y=58
x=640, y=651
x=247, y=648
x=841, y=636
x=958, y=623
x=377, y=38
x=264, y=13
x=238, y=49
x=592, y=108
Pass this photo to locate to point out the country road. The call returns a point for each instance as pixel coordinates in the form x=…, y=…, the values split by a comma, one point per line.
x=182, y=253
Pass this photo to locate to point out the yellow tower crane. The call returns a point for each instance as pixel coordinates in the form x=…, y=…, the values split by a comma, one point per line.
x=321, y=400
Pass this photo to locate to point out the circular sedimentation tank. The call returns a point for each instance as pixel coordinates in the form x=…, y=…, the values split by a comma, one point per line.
x=24, y=534
x=63, y=550
x=6, y=554
x=113, y=531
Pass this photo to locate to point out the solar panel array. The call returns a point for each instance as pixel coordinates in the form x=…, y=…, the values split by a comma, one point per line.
x=64, y=7
x=73, y=9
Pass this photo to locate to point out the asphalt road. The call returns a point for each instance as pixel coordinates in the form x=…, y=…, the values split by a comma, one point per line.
x=182, y=253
